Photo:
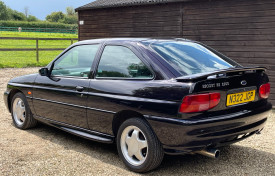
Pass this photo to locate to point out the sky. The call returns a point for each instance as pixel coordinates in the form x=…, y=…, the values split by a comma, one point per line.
x=42, y=8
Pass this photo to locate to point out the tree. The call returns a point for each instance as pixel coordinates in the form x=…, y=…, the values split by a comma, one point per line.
x=55, y=17
x=71, y=16
x=70, y=11
x=18, y=16
x=32, y=18
x=7, y=13
x=26, y=11
x=70, y=20
x=3, y=11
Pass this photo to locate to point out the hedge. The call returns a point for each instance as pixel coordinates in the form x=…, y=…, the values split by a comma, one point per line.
x=36, y=24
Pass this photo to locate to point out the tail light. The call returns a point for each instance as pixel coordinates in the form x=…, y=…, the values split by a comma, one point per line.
x=199, y=102
x=264, y=90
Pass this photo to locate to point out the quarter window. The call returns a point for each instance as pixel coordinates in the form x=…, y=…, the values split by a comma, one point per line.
x=121, y=62
x=76, y=62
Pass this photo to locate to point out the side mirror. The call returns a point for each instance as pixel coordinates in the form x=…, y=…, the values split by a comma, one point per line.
x=44, y=72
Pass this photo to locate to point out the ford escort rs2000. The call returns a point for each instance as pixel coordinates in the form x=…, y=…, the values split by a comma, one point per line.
x=149, y=96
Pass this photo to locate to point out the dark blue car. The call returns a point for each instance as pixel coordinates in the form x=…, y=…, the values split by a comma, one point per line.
x=150, y=96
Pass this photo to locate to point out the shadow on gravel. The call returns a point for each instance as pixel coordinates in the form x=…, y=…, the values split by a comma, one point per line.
x=234, y=159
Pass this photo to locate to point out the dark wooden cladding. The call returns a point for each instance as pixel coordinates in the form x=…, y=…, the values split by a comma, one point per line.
x=244, y=30
x=148, y=21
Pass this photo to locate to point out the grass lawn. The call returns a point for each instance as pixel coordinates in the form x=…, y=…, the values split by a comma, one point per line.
x=28, y=58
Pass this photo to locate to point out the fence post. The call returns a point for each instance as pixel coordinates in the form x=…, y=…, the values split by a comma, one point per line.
x=37, y=51
x=72, y=41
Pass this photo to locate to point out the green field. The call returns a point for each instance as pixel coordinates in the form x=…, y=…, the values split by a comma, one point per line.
x=21, y=59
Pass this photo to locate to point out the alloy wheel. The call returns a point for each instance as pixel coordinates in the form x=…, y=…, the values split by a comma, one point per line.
x=134, y=145
x=19, y=111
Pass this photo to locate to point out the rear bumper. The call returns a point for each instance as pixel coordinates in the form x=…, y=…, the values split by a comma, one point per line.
x=184, y=136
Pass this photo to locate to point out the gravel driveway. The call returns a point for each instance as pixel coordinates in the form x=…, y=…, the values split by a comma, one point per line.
x=48, y=151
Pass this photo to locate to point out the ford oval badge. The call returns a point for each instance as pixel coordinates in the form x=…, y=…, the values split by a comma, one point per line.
x=243, y=82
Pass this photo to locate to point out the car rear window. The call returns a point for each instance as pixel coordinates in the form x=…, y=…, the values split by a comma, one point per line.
x=189, y=57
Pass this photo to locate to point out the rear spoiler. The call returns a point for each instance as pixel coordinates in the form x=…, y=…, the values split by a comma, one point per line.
x=220, y=73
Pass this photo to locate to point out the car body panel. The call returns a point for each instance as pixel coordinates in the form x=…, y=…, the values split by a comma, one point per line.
x=58, y=99
x=23, y=84
x=183, y=136
x=108, y=97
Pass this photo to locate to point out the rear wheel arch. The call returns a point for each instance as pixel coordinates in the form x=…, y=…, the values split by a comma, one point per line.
x=124, y=115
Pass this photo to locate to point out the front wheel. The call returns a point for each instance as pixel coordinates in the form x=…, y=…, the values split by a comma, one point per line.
x=21, y=113
x=138, y=146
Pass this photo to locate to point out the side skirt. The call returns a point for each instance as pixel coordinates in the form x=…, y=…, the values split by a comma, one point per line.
x=85, y=133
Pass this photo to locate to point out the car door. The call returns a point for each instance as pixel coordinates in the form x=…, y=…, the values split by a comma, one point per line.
x=119, y=73
x=62, y=96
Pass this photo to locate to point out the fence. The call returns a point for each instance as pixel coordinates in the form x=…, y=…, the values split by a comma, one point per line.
x=42, y=30
x=37, y=49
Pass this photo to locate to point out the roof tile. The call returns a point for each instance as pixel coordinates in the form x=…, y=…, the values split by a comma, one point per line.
x=120, y=3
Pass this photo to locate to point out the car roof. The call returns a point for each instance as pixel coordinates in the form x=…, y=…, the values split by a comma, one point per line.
x=130, y=40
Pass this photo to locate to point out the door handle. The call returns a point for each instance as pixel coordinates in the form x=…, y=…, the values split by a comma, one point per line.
x=79, y=88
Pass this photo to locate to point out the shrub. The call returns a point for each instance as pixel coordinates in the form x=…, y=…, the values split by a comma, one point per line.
x=70, y=20
x=36, y=25
x=55, y=17
x=32, y=18
x=18, y=16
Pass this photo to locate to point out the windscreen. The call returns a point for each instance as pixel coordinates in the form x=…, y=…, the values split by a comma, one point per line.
x=189, y=58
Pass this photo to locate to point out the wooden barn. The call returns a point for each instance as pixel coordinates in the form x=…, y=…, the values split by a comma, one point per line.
x=244, y=30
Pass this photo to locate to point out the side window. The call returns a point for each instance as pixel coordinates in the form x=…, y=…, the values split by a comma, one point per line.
x=76, y=62
x=121, y=62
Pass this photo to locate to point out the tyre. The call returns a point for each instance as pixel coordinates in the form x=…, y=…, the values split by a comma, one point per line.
x=21, y=113
x=138, y=146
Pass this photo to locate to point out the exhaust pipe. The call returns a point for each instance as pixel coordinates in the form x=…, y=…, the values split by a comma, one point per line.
x=212, y=153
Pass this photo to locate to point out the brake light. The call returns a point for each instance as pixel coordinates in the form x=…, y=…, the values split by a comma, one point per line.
x=264, y=90
x=199, y=102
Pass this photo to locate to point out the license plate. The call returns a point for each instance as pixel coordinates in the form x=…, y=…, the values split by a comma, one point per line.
x=239, y=98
